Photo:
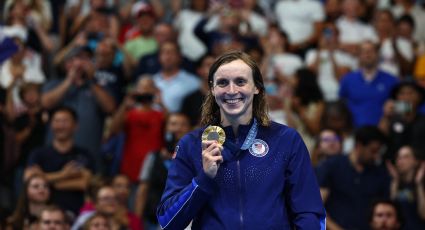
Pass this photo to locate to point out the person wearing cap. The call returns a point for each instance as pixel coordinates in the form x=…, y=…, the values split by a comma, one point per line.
x=401, y=121
x=144, y=43
x=80, y=91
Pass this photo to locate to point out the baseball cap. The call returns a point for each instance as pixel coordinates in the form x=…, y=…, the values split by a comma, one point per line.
x=140, y=8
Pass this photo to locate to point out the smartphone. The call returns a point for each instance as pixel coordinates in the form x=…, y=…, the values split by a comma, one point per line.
x=402, y=107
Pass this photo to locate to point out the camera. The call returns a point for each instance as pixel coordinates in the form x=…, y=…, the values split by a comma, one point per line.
x=143, y=98
x=402, y=107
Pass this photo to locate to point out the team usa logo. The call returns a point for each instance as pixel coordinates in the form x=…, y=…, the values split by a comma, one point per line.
x=259, y=148
x=176, y=149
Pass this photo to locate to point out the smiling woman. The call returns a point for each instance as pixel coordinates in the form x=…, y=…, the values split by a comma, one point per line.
x=261, y=171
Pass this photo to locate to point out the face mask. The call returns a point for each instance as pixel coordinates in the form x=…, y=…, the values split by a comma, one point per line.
x=143, y=98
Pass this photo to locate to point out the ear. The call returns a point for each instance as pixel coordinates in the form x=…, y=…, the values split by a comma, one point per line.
x=256, y=91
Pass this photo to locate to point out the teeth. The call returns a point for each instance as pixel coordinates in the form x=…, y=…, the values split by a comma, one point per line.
x=232, y=101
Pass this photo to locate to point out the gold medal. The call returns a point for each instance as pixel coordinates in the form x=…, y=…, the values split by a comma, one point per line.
x=214, y=133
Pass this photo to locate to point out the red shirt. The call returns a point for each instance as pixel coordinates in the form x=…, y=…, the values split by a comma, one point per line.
x=143, y=134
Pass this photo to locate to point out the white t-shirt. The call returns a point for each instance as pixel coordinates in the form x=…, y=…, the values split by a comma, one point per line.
x=355, y=32
x=297, y=18
x=387, y=55
x=286, y=63
x=190, y=45
x=327, y=78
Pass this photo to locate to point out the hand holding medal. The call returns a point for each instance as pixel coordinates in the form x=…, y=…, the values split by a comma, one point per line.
x=213, y=138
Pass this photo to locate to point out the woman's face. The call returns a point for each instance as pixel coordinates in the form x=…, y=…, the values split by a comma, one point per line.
x=405, y=160
x=410, y=95
x=234, y=90
x=38, y=190
x=107, y=201
x=99, y=223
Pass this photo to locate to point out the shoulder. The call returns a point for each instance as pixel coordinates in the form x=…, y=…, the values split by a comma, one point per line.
x=281, y=134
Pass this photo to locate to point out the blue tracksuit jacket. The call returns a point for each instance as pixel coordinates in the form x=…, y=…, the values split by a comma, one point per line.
x=269, y=186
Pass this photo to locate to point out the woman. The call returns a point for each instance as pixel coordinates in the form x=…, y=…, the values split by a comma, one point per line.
x=34, y=198
x=97, y=222
x=408, y=188
x=262, y=171
x=305, y=109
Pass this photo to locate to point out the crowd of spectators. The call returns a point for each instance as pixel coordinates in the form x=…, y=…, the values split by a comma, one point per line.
x=95, y=94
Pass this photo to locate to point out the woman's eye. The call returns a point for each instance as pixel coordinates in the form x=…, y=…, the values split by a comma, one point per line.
x=240, y=82
x=222, y=83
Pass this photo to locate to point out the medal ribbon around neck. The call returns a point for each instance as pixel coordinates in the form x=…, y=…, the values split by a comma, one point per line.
x=232, y=151
x=249, y=140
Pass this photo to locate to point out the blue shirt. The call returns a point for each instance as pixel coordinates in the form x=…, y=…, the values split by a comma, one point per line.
x=271, y=185
x=366, y=99
x=351, y=192
x=176, y=88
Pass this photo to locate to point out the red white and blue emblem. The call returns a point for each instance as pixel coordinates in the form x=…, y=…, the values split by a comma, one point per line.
x=259, y=148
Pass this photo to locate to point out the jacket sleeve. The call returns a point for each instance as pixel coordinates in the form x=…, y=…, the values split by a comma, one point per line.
x=186, y=191
x=302, y=192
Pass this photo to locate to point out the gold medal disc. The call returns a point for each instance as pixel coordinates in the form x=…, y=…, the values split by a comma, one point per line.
x=214, y=133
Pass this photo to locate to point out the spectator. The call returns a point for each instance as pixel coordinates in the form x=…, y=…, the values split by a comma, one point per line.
x=53, y=218
x=397, y=54
x=150, y=63
x=329, y=62
x=97, y=222
x=79, y=90
x=192, y=103
x=352, y=32
x=349, y=182
x=30, y=127
x=332, y=10
x=278, y=63
x=402, y=122
x=106, y=203
x=366, y=90
x=185, y=22
x=385, y=215
x=18, y=14
x=140, y=120
x=23, y=66
x=155, y=169
x=227, y=35
x=279, y=67
x=173, y=82
x=402, y=7
x=66, y=166
x=337, y=116
x=405, y=28
x=110, y=75
x=121, y=185
x=34, y=197
x=140, y=40
x=305, y=108
x=408, y=187
x=99, y=21
x=303, y=26
x=329, y=144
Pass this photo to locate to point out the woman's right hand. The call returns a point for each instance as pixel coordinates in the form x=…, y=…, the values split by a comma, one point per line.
x=211, y=157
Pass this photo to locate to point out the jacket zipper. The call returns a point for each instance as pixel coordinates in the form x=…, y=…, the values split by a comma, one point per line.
x=240, y=197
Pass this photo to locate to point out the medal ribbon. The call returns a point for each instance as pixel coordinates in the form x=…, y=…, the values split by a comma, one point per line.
x=249, y=140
